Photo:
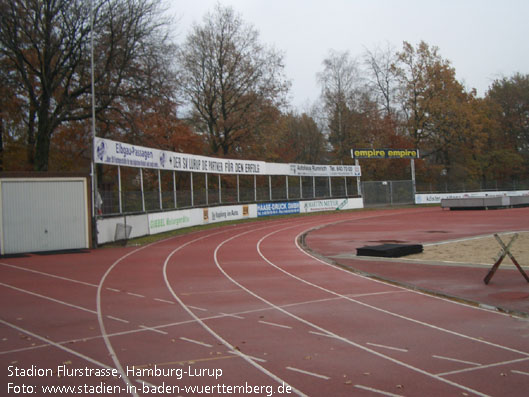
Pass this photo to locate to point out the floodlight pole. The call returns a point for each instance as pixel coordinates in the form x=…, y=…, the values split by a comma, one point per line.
x=358, y=182
x=92, y=162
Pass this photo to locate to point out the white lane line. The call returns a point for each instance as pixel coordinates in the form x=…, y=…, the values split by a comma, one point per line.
x=49, y=275
x=248, y=359
x=275, y=324
x=387, y=347
x=118, y=319
x=102, y=327
x=164, y=301
x=301, y=371
x=196, y=342
x=48, y=298
x=113, y=289
x=514, y=371
x=455, y=360
x=314, y=326
x=435, y=327
x=197, y=308
x=136, y=295
x=376, y=293
x=232, y=315
x=153, y=329
x=381, y=392
x=238, y=353
x=57, y=345
x=484, y=366
x=321, y=334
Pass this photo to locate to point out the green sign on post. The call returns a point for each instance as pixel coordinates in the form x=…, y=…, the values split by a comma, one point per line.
x=385, y=153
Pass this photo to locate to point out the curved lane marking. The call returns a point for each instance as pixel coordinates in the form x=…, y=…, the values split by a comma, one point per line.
x=323, y=330
x=232, y=348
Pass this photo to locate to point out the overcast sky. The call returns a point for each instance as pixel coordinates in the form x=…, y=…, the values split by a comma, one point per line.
x=483, y=39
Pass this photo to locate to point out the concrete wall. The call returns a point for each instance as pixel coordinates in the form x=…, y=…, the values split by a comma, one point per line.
x=159, y=222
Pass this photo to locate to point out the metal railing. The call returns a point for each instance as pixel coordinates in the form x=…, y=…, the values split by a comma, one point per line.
x=274, y=189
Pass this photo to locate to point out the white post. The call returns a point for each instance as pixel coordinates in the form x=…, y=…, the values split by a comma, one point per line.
x=220, y=190
x=174, y=190
x=142, y=192
x=160, y=188
x=413, y=178
x=192, y=191
x=358, y=183
x=119, y=191
x=255, y=187
x=238, y=190
x=206, y=182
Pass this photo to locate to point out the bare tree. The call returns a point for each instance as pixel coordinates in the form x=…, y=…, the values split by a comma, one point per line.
x=383, y=80
x=46, y=45
x=341, y=94
x=228, y=76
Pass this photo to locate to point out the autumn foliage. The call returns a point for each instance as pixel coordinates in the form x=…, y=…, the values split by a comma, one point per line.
x=223, y=93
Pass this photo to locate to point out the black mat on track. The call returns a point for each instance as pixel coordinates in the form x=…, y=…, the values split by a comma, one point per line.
x=389, y=250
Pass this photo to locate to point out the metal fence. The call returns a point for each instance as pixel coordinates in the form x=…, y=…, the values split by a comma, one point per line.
x=384, y=193
x=447, y=186
x=215, y=190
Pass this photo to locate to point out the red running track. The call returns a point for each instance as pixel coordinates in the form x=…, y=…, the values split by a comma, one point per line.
x=243, y=310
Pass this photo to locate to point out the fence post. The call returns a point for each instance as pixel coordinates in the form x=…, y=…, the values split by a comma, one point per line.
x=160, y=189
x=142, y=193
x=220, y=190
x=207, y=193
x=358, y=182
x=119, y=191
x=270, y=186
x=192, y=191
x=174, y=190
x=414, y=188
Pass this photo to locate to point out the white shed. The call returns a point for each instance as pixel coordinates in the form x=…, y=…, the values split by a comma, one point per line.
x=44, y=213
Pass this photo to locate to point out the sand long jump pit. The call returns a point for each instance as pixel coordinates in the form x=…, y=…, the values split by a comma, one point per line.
x=482, y=251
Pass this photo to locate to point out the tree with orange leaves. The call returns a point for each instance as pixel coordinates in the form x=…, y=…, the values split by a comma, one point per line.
x=46, y=45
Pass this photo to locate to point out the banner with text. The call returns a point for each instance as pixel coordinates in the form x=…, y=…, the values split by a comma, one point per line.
x=123, y=154
x=285, y=208
x=324, y=170
x=385, y=153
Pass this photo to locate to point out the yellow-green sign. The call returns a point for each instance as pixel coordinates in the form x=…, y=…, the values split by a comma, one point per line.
x=385, y=153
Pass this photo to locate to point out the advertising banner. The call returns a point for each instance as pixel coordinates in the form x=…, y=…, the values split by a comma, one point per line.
x=324, y=170
x=331, y=204
x=385, y=153
x=165, y=221
x=435, y=198
x=117, y=153
x=269, y=209
x=225, y=213
x=124, y=154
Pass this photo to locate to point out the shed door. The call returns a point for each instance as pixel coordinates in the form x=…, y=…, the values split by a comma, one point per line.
x=44, y=215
